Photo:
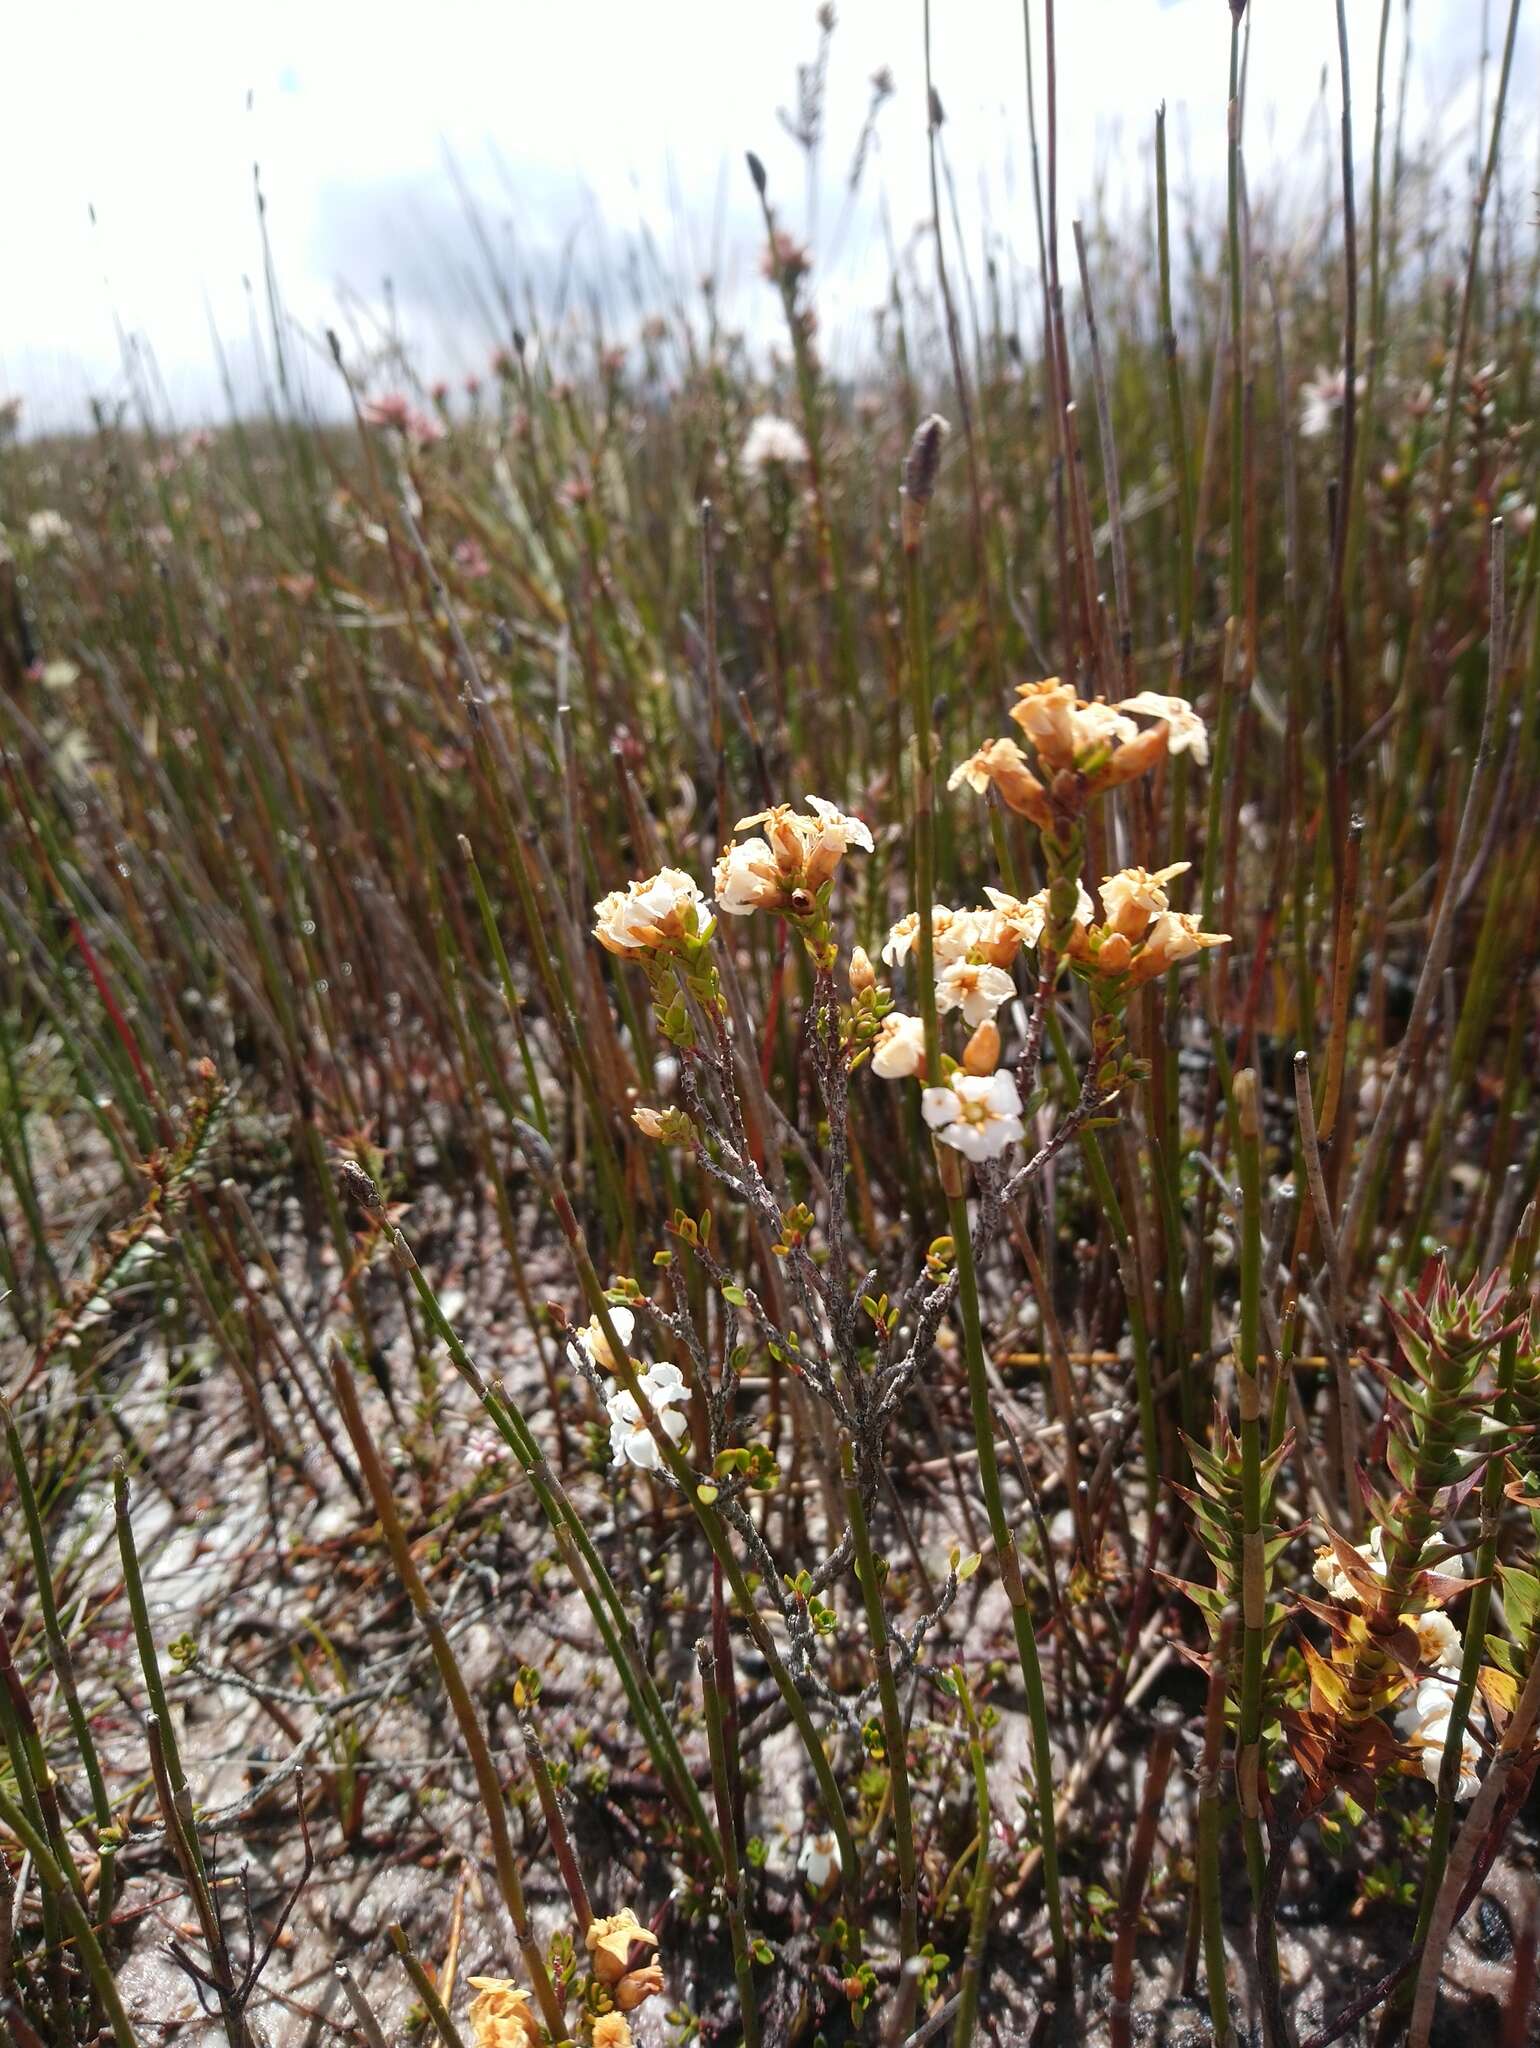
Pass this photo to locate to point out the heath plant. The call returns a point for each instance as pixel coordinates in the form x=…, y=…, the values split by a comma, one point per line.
x=642, y=1405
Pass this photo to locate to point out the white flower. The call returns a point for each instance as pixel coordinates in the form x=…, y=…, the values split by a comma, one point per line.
x=1002, y=763
x=746, y=878
x=1063, y=727
x=976, y=1114
x=1429, y=1736
x=1132, y=896
x=772, y=441
x=1173, y=936
x=648, y=914
x=975, y=771
x=977, y=991
x=1328, y=1573
x=1029, y=918
x=631, y=1441
x=951, y=935
x=819, y=1862
x=597, y=1345
x=837, y=829
x=1099, y=724
x=1438, y=1641
x=1321, y=399
x=797, y=852
x=47, y=528
x=1026, y=919
x=996, y=937
x=1185, y=731
x=900, y=1048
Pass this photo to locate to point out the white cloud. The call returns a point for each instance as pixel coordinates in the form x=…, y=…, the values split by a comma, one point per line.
x=580, y=123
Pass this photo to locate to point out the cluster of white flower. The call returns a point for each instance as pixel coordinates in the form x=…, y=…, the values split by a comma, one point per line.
x=772, y=443
x=977, y=1111
x=783, y=866
x=1430, y=1731
x=993, y=935
x=48, y=529
x=1080, y=748
x=657, y=912
x=1439, y=1647
x=1140, y=936
x=631, y=1441
x=1066, y=732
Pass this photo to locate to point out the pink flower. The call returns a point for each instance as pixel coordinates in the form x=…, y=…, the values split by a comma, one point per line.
x=392, y=410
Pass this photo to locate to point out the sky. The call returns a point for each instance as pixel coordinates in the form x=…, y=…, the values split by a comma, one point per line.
x=129, y=136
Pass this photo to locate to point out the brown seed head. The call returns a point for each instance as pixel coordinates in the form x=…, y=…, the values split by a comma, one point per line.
x=921, y=467
x=359, y=1187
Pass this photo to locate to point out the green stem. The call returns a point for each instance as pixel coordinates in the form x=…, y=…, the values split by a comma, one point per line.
x=895, y=1738
x=58, y=1887
x=732, y=1867
x=1210, y=1804
x=583, y=1561
x=488, y=1783
x=1253, y=1576
x=981, y=1892
x=1004, y=1540
x=950, y=1167
x=149, y=1664
x=701, y=1498
x=426, y=1990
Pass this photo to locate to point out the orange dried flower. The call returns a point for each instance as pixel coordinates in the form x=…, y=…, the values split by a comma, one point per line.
x=500, y=2016
x=622, y=1950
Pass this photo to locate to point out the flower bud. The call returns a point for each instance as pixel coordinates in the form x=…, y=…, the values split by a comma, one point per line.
x=981, y=1055
x=862, y=973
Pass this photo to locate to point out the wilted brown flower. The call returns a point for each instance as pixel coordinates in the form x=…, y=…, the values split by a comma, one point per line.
x=637, y=1986
x=1002, y=763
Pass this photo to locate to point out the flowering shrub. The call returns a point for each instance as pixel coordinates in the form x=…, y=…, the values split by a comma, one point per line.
x=940, y=1376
